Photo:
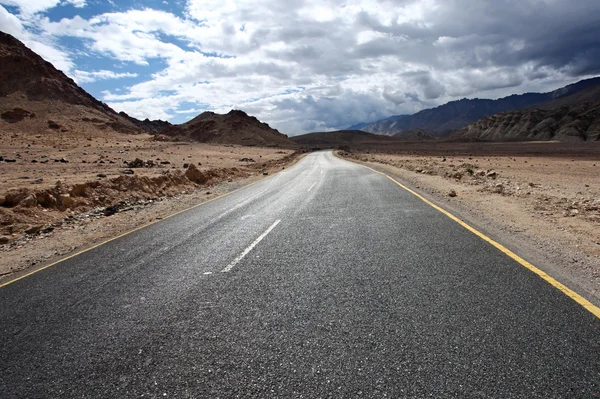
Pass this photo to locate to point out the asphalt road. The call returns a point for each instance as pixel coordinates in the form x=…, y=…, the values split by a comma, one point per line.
x=325, y=280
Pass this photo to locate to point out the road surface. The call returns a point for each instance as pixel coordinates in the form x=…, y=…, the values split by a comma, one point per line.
x=325, y=280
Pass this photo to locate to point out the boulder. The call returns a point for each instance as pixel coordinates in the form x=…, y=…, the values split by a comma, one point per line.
x=29, y=202
x=139, y=163
x=34, y=229
x=194, y=174
x=16, y=115
x=111, y=210
x=78, y=190
x=66, y=201
x=13, y=198
x=46, y=200
x=53, y=125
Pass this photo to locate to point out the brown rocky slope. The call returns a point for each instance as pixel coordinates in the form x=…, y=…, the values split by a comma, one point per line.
x=36, y=97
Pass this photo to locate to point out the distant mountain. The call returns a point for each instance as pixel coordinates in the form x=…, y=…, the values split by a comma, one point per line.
x=569, y=118
x=153, y=127
x=35, y=96
x=358, y=126
x=340, y=137
x=589, y=94
x=381, y=126
x=235, y=127
x=443, y=120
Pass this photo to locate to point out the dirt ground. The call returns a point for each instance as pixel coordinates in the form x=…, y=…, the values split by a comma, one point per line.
x=62, y=192
x=540, y=199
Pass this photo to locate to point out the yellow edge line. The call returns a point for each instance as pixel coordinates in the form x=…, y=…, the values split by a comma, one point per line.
x=595, y=310
x=129, y=232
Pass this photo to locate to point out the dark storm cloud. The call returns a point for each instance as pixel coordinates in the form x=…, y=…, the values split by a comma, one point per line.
x=323, y=113
x=480, y=33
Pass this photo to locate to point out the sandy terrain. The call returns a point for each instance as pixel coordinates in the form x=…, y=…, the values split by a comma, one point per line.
x=542, y=203
x=62, y=191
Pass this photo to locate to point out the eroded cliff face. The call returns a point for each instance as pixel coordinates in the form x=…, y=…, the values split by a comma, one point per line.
x=579, y=122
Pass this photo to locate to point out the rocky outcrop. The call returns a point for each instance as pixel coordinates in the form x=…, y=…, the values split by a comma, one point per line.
x=579, y=122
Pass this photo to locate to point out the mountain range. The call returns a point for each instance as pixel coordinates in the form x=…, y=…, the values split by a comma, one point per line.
x=445, y=119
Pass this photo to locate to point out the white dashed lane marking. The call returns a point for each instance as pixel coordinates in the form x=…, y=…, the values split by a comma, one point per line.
x=247, y=250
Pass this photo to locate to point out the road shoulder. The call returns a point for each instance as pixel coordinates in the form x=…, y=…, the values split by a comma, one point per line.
x=570, y=267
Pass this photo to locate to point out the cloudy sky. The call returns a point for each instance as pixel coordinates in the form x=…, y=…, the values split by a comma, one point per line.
x=306, y=65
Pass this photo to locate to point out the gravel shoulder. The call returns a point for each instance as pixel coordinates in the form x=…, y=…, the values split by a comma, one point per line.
x=544, y=208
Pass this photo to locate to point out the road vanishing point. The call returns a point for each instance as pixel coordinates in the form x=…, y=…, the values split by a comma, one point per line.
x=324, y=280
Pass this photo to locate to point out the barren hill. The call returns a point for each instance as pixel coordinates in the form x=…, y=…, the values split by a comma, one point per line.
x=36, y=97
x=579, y=122
x=573, y=117
x=235, y=127
x=340, y=137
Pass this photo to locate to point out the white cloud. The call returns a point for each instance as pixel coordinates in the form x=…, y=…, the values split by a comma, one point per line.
x=49, y=52
x=30, y=7
x=41, y=44
x=189, y=111
x=11, y=24
x=93, y=76
x=77, y=3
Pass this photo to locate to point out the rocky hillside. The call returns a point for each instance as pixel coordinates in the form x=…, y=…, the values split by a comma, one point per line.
x=235, y=127
x=36, y=97
x=442, y=120
x=579, y=122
